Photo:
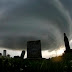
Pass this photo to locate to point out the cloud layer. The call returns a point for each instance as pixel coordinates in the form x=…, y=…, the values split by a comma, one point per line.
x=25, y=20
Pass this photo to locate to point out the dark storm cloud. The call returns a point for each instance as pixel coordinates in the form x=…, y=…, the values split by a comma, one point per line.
x=39, y=8
x=32, y=20
x=67, y=5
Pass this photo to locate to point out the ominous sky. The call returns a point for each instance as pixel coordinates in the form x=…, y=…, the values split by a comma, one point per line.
x=24, y=20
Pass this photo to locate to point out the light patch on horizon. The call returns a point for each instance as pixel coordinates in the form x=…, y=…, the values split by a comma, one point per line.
x=12, y=53
x=47, y=54
x=60, y=51
x=70, y=42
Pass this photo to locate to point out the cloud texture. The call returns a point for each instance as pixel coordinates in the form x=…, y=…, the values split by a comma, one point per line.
x=23, y=20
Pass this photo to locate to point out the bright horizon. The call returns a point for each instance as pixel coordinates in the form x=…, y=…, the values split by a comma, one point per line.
x=45, y=54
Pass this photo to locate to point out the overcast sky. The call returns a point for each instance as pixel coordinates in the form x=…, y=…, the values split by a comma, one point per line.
x=24, y=20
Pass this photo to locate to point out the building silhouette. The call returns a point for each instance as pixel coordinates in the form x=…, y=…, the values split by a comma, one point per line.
x=67, y=46
x=4, y=52
x=16, y=57
x=22, y=54
x=34, y=49
x=0, y=54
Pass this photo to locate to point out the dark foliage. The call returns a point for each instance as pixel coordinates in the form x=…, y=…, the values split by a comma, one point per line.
x=55, y=64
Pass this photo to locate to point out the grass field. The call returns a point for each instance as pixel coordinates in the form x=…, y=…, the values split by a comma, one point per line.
x=55, y=64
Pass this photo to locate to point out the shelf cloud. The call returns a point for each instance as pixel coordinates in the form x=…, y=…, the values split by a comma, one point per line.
x=47, y=20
